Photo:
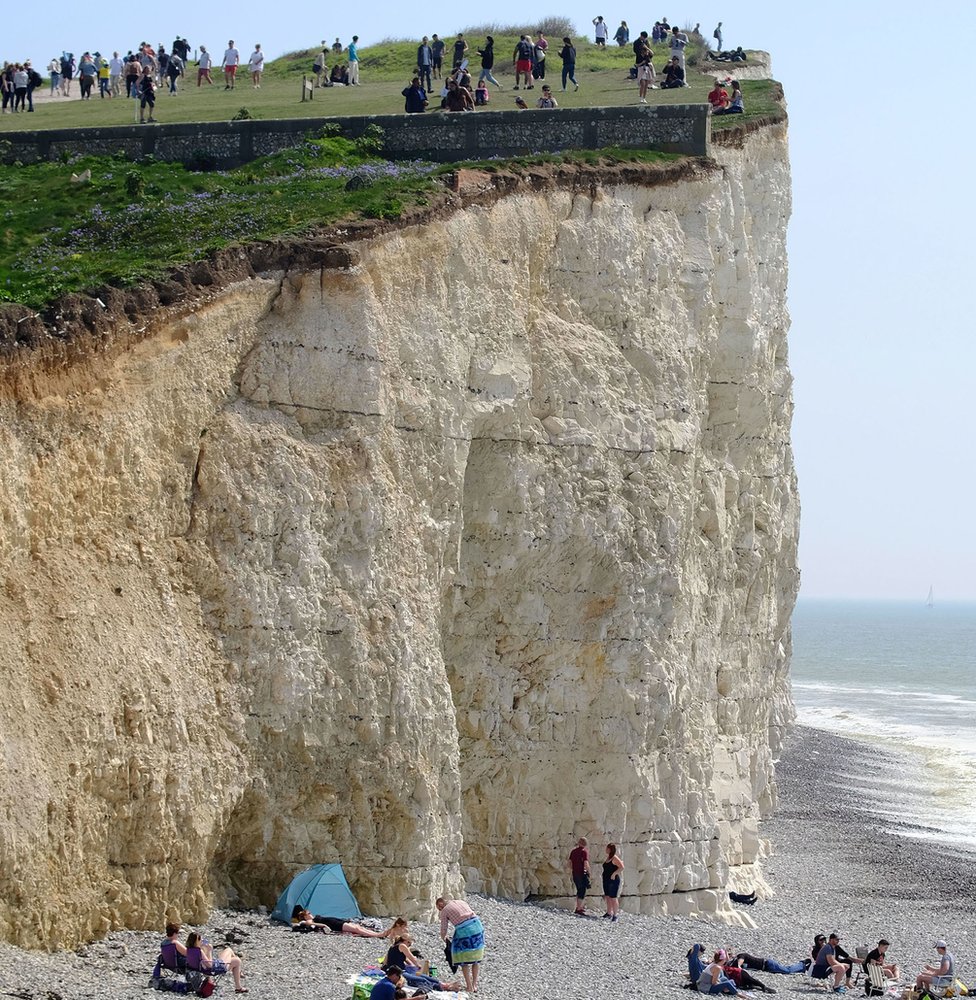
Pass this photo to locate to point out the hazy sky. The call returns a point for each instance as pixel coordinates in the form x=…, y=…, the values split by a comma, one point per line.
x=881, y=243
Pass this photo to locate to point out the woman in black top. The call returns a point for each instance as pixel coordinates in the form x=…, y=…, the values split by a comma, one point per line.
x=612, y=869
x=568, y=55
x=488, y=61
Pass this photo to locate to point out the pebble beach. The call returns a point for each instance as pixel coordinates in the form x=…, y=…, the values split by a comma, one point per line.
x=835, y=864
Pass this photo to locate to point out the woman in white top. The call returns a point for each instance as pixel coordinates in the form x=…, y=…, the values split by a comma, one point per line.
x=255, y=64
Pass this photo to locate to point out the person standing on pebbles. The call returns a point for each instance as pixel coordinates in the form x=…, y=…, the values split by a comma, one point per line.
x=468, y=943
x=579, y=865
x=612, y=870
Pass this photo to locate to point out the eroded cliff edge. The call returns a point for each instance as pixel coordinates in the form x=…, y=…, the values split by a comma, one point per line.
x=430, y=565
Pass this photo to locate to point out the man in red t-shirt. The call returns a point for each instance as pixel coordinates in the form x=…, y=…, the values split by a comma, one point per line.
x=718, y=97
x=579, y=863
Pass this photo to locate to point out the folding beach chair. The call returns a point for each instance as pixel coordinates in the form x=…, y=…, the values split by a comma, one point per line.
x=861, y=953
x=878, y=983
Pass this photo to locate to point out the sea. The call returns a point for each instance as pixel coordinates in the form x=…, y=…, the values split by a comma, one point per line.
x=901, y=677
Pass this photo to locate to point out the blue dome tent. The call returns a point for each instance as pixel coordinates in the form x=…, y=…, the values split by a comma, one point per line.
x=323, y=889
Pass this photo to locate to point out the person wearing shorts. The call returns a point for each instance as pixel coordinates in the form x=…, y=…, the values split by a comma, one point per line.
x=579, y=865
x=522, y=58
x=147, y=95
x=232, y=59
x=437, y=46
x=203, y=66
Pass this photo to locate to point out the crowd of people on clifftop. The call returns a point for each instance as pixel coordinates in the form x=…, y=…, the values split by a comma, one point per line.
x=146, y=69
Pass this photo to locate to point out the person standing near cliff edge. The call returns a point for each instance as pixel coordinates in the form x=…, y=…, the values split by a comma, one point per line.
x=579, y=865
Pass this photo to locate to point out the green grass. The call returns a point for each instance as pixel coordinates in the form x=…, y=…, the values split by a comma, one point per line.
x=385, y=71
x=135, y=221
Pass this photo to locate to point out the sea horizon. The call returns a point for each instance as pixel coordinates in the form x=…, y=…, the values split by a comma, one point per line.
x=898, y=675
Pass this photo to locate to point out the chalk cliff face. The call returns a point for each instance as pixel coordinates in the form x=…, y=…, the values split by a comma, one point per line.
x=430, y=565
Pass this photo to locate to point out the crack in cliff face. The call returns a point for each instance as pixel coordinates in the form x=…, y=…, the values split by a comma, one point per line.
x=430, y=569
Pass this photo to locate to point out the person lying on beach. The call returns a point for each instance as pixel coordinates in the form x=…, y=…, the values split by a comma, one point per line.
x=938, y=975
x=398, y=927
x=713, y=978
x=827, y=964
x=340, y=926
x=303, y=922
x=746, y=961
x=743, y=980
x=213, y=964
x=878, y=956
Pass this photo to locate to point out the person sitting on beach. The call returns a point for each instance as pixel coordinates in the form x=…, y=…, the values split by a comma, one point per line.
x=417, y=980
x=400, y=954
x=826, y=964
x=746, y=961
x=200, y=956
x=938, y=975
x=713, y=978
x=386, y=989
x=172, y=941
x=878, y=956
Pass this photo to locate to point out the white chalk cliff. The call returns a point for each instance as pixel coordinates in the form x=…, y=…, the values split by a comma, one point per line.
x=430, y=565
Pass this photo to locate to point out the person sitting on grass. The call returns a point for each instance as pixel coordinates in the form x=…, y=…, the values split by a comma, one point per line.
x=415, y=102
x=458, y=98
x=546, y=100
x=735, y=105
x=339, y=76
x=826, y=964
x=937, y=975
x=718, y=96
x=674, y=75
x=481, y=96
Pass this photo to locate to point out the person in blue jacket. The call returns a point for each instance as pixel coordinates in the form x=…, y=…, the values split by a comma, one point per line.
x=416, y=98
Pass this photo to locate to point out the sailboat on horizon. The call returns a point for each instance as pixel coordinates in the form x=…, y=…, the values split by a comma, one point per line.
x=930, y=600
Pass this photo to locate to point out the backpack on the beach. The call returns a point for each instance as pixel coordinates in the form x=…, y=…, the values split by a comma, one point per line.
x=168, y=984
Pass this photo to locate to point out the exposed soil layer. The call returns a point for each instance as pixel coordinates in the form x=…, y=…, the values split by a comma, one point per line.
x=78, y=328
